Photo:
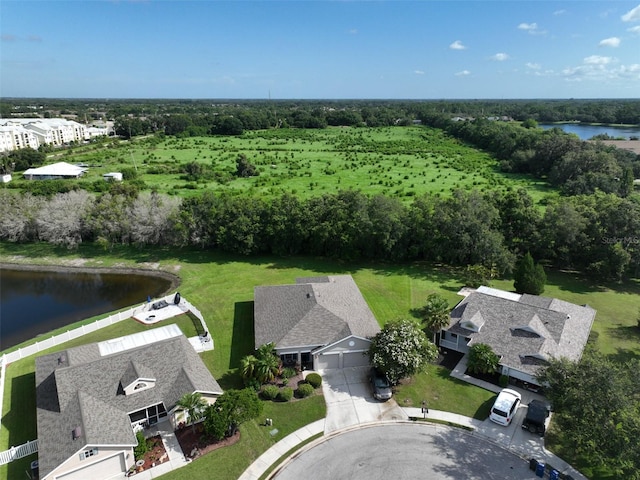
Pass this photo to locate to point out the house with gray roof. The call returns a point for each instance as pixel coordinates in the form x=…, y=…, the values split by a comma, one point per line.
x=90, y=400
x=525, y=331
x=316, y=323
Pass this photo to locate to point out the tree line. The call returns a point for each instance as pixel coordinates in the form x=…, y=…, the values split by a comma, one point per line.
x=575, y=166
x=610, y=111
x=597, y=234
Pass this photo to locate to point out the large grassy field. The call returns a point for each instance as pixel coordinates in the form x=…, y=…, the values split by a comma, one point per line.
x=396, y=161
x=221, y=286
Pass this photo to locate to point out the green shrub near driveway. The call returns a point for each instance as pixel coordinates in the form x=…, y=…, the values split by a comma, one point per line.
x=314, y=379
x=305, y=390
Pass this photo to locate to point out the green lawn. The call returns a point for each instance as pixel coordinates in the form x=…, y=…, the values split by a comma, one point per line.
x=221, y=286
x=395, y=161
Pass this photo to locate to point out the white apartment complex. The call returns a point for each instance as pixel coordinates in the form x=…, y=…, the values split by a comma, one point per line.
x=16, y=133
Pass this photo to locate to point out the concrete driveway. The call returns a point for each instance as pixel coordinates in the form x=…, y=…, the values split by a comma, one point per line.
x=514, y=437
x=350, y=401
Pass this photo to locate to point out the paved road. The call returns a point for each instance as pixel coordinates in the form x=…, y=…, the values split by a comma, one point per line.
x=390, y=451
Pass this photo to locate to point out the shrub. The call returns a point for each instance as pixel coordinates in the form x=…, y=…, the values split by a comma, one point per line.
x=288, y=372
x=504, y=381
x=314, y=379
x=270, y=392
x=285, y=394
x=142, y=447
x=305, y=390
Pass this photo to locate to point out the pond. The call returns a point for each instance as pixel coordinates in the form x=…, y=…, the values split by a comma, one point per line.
x=586, y=132
x=36, y=302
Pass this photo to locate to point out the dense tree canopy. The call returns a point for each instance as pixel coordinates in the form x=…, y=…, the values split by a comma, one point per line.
x=597, y=407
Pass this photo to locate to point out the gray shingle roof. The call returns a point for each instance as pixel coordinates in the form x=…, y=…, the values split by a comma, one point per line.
x=313, y=312
x=79, y=388
x=524, y=331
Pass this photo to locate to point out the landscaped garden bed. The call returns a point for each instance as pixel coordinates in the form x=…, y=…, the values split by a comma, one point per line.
x=195, y=442
x=155, y=455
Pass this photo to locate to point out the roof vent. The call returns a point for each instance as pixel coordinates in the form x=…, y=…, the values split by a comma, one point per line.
x=76, y=433
x=308, y=295
x=568, y=317
x=61, y=359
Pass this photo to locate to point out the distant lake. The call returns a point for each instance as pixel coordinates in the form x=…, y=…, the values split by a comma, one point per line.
x=36, y=302
x=586, y=132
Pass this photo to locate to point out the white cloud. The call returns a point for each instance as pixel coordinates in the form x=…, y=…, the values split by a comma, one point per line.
x=632, y=15
x=353, y=31
x=597, y=60
x=610, y=42
x=528, y=26
x=635, y=29
x=463, y=73
x=500, y=57
x=559, y=12
x=418, y=72
x=533, y=66
x=457, y=45
x=531, y=28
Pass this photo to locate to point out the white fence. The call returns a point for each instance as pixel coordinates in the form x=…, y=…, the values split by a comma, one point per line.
x=70, y=335
x=92, y=327
x=14, y=453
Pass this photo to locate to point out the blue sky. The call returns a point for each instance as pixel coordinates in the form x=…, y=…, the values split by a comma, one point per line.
x=320, y=49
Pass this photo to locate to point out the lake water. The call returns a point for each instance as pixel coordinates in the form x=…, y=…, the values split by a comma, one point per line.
x=586, y=132
x=33, y=303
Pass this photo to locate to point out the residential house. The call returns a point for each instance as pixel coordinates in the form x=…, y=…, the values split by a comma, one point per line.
x=90, y=400
x=55, y=171
x=525, y=331
x=317, y=323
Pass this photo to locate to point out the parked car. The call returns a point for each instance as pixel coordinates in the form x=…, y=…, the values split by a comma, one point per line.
x=536, y=417
x=380, y=385
x=505, y=406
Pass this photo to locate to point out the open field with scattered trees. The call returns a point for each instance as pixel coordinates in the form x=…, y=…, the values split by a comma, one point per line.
x=399, y=162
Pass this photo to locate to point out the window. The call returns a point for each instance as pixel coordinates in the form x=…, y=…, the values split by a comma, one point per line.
x=88, y=453
x=140, y=385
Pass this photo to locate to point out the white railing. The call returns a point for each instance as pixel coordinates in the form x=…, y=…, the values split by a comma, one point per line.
x=14, y=453
x=39, y=346
x=3, y=365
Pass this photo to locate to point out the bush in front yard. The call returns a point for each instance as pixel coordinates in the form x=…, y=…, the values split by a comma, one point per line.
x=270, y=392
x=285, y=394
x=304, y=390
x=288, y=372
x=314, y=379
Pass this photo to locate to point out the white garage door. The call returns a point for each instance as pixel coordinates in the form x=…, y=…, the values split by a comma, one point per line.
x=107, y=468
x=354, y=359
x=325, y=361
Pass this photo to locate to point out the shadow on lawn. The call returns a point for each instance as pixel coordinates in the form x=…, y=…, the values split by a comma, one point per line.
x=21, y=422
x=243, y=336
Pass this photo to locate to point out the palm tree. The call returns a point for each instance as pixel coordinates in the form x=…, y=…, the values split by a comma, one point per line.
x=436, y=314
x=194, y=405
x=248, y=367
x=267, y=368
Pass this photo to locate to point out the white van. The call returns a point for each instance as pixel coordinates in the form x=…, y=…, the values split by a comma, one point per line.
x=505, y=407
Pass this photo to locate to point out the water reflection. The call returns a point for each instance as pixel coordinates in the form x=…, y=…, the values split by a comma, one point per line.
x=33, y=303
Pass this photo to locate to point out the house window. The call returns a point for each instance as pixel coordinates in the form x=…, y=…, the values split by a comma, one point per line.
x=454, y=336
x=88, y=453
x=289, y=359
